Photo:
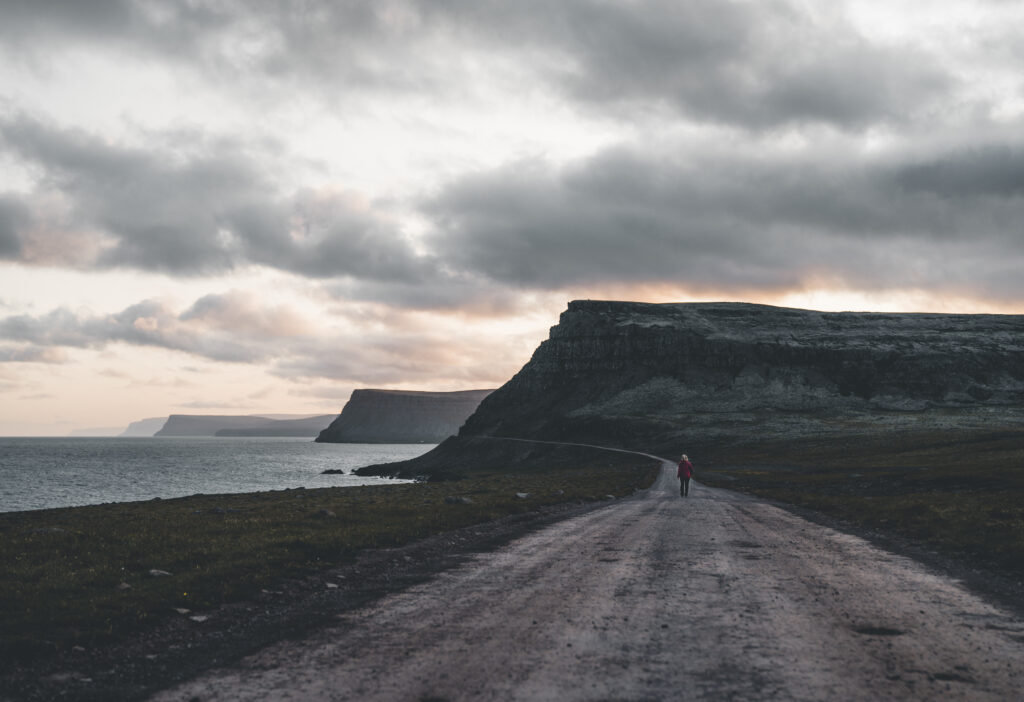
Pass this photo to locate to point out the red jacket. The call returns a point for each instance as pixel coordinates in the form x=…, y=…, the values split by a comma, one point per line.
x=685, y=470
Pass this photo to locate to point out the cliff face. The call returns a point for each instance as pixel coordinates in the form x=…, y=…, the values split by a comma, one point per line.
x=625, y=371
x=401, y=416
x=144, y=427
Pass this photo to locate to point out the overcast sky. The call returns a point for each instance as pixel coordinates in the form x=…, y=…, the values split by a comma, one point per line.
x=244, y=206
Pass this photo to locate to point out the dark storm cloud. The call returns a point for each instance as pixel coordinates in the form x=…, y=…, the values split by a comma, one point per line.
x=759, y=64
x=357, y=43
x=192, y=205
x=14, y=217
x=755, y=64
x=741, y=219
x=986, y=170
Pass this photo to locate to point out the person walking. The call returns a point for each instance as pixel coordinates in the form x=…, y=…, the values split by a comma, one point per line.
x=684, y=473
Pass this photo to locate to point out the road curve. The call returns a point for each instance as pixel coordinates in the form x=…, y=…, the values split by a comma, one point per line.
x=716, y=596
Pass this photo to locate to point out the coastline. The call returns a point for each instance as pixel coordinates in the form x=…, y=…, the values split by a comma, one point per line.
x=140, y=595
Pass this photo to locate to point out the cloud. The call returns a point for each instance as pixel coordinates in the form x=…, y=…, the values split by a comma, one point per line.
x=33, y=355
x=14, y=217
x=191, y=205
x=980, y=171
x=754, y=64
x=228, y=328
x=743, y=217
x=239, y=328
x=359, y=43
x=238, y=312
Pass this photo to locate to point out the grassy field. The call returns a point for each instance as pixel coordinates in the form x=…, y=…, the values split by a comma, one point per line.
x=82, y=575
x=960, y=493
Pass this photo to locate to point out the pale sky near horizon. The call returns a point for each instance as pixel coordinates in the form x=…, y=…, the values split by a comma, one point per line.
x=252, y=206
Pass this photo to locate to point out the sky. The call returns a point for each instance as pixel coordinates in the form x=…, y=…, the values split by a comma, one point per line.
x=244, y=206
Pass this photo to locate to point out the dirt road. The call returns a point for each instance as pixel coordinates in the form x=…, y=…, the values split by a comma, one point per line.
x=717, y=596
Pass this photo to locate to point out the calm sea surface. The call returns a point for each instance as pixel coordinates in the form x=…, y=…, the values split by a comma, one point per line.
x=36, y=473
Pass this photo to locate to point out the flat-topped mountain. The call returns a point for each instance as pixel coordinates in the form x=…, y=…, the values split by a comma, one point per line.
x=661, y=376
x=241, y=425
x=401, y=416
x=271, y=426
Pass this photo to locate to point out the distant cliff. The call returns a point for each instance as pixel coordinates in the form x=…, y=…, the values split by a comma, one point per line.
x=401, y=416
x=241, y=425
x=306, y=426
x=653, y=376
x=145, y=427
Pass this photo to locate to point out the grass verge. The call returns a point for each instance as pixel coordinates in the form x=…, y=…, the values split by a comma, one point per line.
x=85, y=575
x=959, y=493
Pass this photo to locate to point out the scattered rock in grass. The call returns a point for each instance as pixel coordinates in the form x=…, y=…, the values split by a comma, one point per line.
x=78, y=649
x=557, y=493
x=331, y=586
x=124, y=586
x=609, y=497
x=522, y=495
x=452, y=500
x=324, y=513
x=157, y=573
x=199, y=618
x=182, y=610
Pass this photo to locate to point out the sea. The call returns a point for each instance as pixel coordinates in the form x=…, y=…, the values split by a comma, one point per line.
x=44, y=472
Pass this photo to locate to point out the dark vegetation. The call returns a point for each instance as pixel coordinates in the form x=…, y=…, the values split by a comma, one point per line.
x=957, y=492
x=82, y=576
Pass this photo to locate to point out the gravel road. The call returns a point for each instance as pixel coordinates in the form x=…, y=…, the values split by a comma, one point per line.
x=716, y=596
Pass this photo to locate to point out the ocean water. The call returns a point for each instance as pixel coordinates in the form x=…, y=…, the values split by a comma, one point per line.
x=37, y=473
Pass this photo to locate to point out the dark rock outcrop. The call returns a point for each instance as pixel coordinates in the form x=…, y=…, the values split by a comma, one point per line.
x=401, y=416
x=657, y=376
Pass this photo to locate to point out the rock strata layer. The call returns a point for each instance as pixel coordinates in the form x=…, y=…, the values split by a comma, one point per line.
x=401, y=416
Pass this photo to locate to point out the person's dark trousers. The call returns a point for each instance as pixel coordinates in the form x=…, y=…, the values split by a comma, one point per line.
x=684, y=487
